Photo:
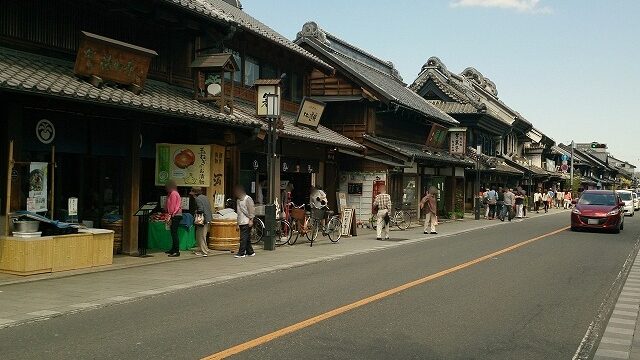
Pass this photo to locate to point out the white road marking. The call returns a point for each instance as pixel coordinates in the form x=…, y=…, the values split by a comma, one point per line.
x=622, y=321
x=615, y=341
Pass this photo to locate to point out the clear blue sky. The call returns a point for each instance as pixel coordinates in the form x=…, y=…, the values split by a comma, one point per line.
x=571, y=67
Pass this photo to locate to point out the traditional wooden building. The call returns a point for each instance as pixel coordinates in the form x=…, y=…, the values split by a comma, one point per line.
x=499, y=131
x=98, y=132
x=405, y=137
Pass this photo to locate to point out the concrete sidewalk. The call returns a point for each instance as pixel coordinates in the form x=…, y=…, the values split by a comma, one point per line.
x=130, y=279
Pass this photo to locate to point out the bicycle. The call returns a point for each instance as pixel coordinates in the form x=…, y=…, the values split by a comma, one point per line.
x=283, y=231
x=331, y=228
x=401, y=219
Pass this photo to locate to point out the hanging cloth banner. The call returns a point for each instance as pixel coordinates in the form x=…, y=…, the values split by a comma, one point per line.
x=37, y=200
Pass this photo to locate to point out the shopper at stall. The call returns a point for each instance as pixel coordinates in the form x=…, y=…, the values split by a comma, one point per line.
x=174, y=210
x=429, y=203
x=382, y=203
x=246, y=212
x=203, y=217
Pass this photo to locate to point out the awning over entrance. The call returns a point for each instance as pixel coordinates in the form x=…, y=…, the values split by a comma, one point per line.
x=418, y=152
x=29, y=73
x=322, y=135
x=535, y=171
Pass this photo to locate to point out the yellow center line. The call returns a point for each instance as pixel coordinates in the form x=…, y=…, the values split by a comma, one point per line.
x=343, y=309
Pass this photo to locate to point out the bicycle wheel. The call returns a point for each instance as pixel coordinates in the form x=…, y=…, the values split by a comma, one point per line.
x=283, y=232
x=295, y=231
x=257, y=231
x=334, y=229
x=402, y=220
x=312, y=230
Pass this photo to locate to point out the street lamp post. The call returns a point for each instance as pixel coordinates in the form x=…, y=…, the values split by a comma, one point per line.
x=272, y=115
x=477, y=197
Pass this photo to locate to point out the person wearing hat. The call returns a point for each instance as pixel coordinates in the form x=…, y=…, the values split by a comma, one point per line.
x=202, y=207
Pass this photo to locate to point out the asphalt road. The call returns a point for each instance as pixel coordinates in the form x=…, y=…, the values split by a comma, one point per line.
x=532, y=302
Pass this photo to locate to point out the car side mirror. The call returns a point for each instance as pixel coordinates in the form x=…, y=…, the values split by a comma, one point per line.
x=573, y=202
x=621, y=204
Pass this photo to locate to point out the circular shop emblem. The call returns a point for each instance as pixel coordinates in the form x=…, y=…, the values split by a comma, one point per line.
x=163, y=176
x=45, y=131
x=255, y=164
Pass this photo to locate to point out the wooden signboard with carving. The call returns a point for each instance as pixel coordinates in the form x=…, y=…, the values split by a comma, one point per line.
x=103, y=59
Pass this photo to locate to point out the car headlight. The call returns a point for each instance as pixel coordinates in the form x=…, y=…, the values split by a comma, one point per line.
x=613, y=213
x=576, y=211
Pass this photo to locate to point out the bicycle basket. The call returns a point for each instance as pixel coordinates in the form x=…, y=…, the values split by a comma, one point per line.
x=298, y=214
x=318, y=214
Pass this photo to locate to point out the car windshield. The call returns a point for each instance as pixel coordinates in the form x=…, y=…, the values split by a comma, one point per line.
x=597, y=199
x=625, y=196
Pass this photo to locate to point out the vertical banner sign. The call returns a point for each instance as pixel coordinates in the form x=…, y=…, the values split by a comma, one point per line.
x=347, y=218
x=37, y=201
x=457, y=141
x=217, y=169
x=342, y=201
x=187, y=165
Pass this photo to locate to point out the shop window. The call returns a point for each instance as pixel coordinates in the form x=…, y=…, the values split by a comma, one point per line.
x=237, y=76
x=296, y=86
x=409, y=191
x=251, y=71
x=269, y=72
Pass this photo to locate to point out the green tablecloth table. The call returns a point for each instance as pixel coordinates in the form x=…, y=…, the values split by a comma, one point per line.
x=160, y=237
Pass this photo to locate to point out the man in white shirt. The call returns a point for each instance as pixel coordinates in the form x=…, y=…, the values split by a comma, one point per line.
x=246, y=212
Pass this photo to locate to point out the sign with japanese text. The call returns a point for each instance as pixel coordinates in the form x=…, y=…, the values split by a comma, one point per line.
x=37, y=200
x=217, y=169
x=457, y=141
x=72, y=206
x=437, y=136
x=310, y=113
x=187, y=165
x=263, y=91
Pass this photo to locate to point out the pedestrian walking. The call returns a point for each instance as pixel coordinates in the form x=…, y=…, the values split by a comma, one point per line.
x=203, y=217
x=485, y=202
x=559, y=199
x=519, y=202
x=246, y=212
x=567, y=199
x=551, y=195
x=382, y=203
x=537, y=200
x=500, y=202
x=492, y=200
x=174, y=210
x=431, y=217
x=507, y=209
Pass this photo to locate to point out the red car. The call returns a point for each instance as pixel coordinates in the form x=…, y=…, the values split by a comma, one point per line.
x=598, y=209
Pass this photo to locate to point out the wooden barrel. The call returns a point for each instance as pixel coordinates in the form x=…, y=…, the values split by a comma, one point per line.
x=224, y=235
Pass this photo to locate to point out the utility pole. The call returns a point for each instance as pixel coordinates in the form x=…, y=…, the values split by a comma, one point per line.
x=573, y=145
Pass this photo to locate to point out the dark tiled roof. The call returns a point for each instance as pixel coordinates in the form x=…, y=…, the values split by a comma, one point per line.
x=221, y=11
x=29, y=73
x=526, y=168
x=382, y=82
x=418, y=151
x=492, y=163
x=452, y=107
x=470, y=87
x=322, y=136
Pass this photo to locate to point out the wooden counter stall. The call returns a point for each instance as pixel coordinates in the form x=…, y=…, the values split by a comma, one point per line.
x=37, y=255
